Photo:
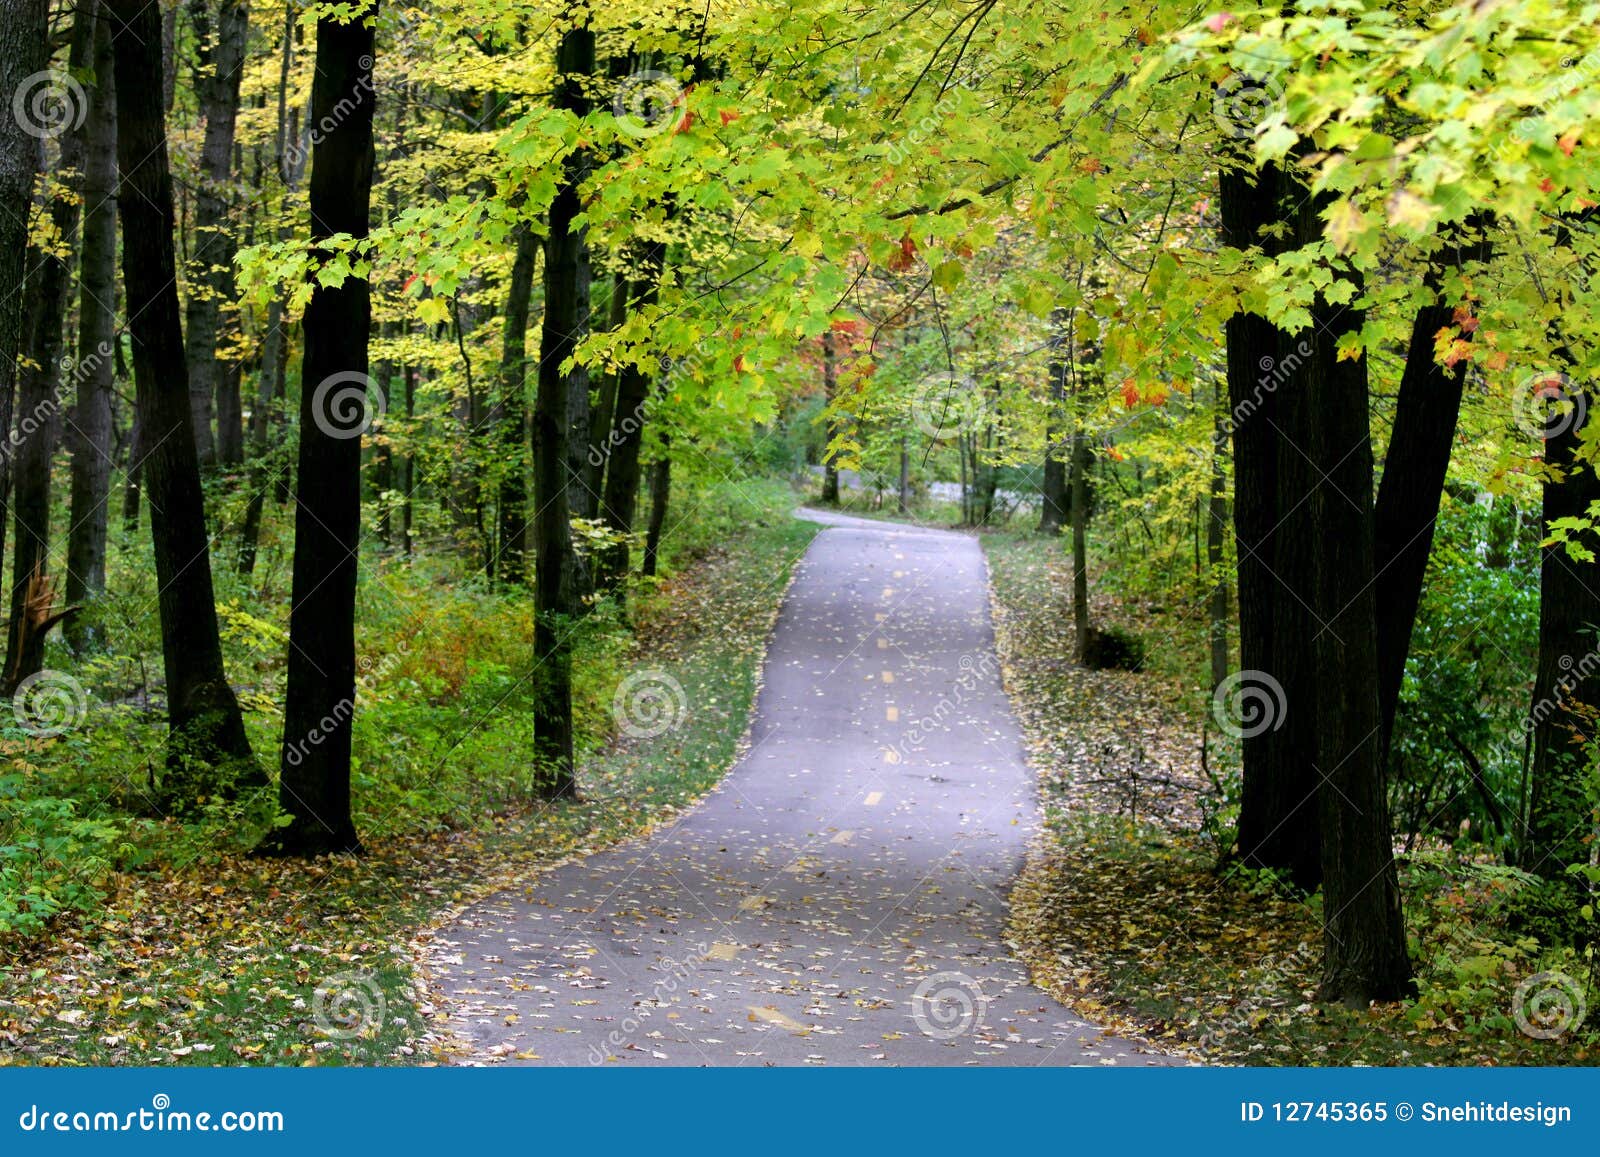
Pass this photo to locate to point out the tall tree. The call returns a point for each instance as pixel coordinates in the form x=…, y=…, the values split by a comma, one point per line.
x=203, y=714
x=566, y=282
x=1053, y=490
x=512, y=412
x=211, y=283
x=90, y=435
x=314, y=771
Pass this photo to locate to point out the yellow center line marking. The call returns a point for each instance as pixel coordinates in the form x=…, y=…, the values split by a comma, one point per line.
x=843, y=837
x=722, y=952
x=773, y=1016
x=888, y=676
x=883, y=644
x=873, y=799
x=893, y=714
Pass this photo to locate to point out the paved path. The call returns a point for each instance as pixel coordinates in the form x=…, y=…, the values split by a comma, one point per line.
x=840, y=899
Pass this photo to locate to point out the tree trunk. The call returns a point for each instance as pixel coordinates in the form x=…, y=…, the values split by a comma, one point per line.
x=1278, y=819
x=830, y=389
x=1053, y=496
x=314, y=775
x=1216, y=536
x=23, y=53
x=565, y=302
x=903, y=492
x=210, y=275
x=513, y=413
x=1414, y=469
x=660, y=486
x=621, y=497
x=1079, y=489
x=203, y=713
x=91, y=440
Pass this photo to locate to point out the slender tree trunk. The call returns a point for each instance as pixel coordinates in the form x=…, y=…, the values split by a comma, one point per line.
x=408, y=461
x=565, y=300
x=627, y=433
x=203, y=713
x=830, y=389
x=1080, y=462
x=604, y=416
x=513, y=412
x=660, y=487
x=210, y=277
x=1053, y=496
x=131, y=483
x=97, y=339
x=1216, y=536
x=903, y=492
x=314, y=775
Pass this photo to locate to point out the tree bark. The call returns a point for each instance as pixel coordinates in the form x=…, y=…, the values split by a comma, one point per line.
x=203, y=712
x=210, y=274
x=621, y=497
x=1053, y=493
x=513, y=413
x=830, y=390
x=565, y=301
x=660, y=487
x=314, y=773
x=91, y=441
x=1216, y=537
x=1278, y=819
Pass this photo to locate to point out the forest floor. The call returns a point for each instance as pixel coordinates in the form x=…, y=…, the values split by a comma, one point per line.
x=1124, y=913
x=840, y=899
x=200, y=954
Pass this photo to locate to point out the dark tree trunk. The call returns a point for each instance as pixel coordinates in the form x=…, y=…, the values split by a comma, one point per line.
x=1560, y=828
x=830, y=389
x=135, y=472
x=91, y=440
x=1364, y=939
x=38, y=428
x=1278, y=819
x=513, y=413
x=566, y=260
x=23, y=53
x=210, y=275
x=605, y=409
x=408, y=461
x=627, y=433
x=903, y=492
x=1414, y=469
x=1053, y=492
x=314, y=774
x=660, y=487
x=203, y=713
x=1082, y=458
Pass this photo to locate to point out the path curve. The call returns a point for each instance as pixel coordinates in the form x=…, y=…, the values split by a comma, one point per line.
x=840, y=898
